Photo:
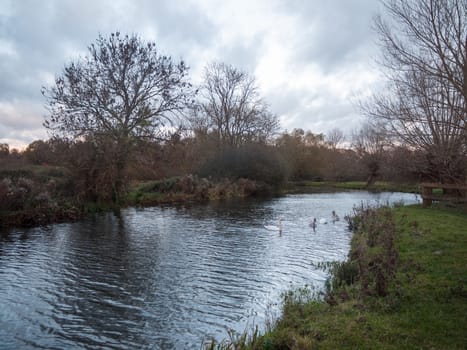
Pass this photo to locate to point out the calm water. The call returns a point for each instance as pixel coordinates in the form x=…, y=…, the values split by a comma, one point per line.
x=163, y=278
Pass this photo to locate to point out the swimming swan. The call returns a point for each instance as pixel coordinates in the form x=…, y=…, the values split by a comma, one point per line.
x=323, y=221
x=274, y=228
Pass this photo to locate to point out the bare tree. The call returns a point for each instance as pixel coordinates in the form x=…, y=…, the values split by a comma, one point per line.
x=424, y=47
x=232, y=108
x=370, y=143
x=121, y=92
x=334, y=137
x=4, y=150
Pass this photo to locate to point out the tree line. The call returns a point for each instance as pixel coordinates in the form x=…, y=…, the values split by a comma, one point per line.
x=125, y=112
x=297, y=156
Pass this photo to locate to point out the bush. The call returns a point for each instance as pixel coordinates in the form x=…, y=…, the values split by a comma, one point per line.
x=373, y=249
x=15, y=174
x=24, y=190
x=343, y=274
x=255, y=162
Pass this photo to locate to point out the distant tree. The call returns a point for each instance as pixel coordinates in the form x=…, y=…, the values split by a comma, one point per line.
x=334, y=137
x=231, y=108
x=401, y=165
x=258, y=162
x=370, y=143
x=122, y=91
x=59, y=151
x=4, y=150
x=15, y=154
x=38, y=152
x=304, y=152
x=342, y=164
x=424, y=47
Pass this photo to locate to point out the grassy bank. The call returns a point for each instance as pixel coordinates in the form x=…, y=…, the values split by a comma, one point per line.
x=323, y=186
x=403, y=287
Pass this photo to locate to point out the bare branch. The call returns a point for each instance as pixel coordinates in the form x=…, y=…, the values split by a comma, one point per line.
x=424, y=46
x=231, y=107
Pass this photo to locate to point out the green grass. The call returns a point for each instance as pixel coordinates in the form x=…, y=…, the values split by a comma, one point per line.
x=426, y=307
x=379, y=186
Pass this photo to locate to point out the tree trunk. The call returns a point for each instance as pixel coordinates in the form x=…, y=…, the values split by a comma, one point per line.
x=121, y=159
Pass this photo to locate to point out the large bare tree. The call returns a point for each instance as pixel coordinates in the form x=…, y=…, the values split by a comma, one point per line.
x=424, y=45
x=231, y=107
x=122, y=91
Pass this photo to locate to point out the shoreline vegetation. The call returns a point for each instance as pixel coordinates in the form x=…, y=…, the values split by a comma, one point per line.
x=402, y=287
x=42, y=195
x=332, y=186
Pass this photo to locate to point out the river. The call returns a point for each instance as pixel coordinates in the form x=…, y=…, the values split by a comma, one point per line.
x=167, y=277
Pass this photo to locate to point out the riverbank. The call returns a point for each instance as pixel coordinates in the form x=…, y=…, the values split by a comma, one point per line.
x=190, y=188
x=40, y=195
x=329, y=186
x=402, y=289
x=37, y=195
x=44, y=195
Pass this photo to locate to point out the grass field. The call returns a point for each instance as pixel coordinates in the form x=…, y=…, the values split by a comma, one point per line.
x=311, y=186
x=424, y=307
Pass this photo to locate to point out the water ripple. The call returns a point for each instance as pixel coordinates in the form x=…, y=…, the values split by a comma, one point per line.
x=165, y=277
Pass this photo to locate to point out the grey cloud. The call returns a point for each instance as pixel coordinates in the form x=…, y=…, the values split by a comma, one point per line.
x=46, y=35
x=243, y=55
x=335, y=32
x=26, y=118
x=22, y=120
x=297, y=111
x=287, y=102
x=22, y=137
x=180, y=24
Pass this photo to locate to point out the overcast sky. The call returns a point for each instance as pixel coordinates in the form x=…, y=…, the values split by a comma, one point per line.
x=313, y=59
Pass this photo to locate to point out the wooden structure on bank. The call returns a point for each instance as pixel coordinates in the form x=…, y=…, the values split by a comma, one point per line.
x=456, y=193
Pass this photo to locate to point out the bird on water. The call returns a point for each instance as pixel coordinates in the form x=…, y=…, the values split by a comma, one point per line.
x=273, y=227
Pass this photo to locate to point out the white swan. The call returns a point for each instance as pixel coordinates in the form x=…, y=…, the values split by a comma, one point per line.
x=274, y=228
x=323, y=221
